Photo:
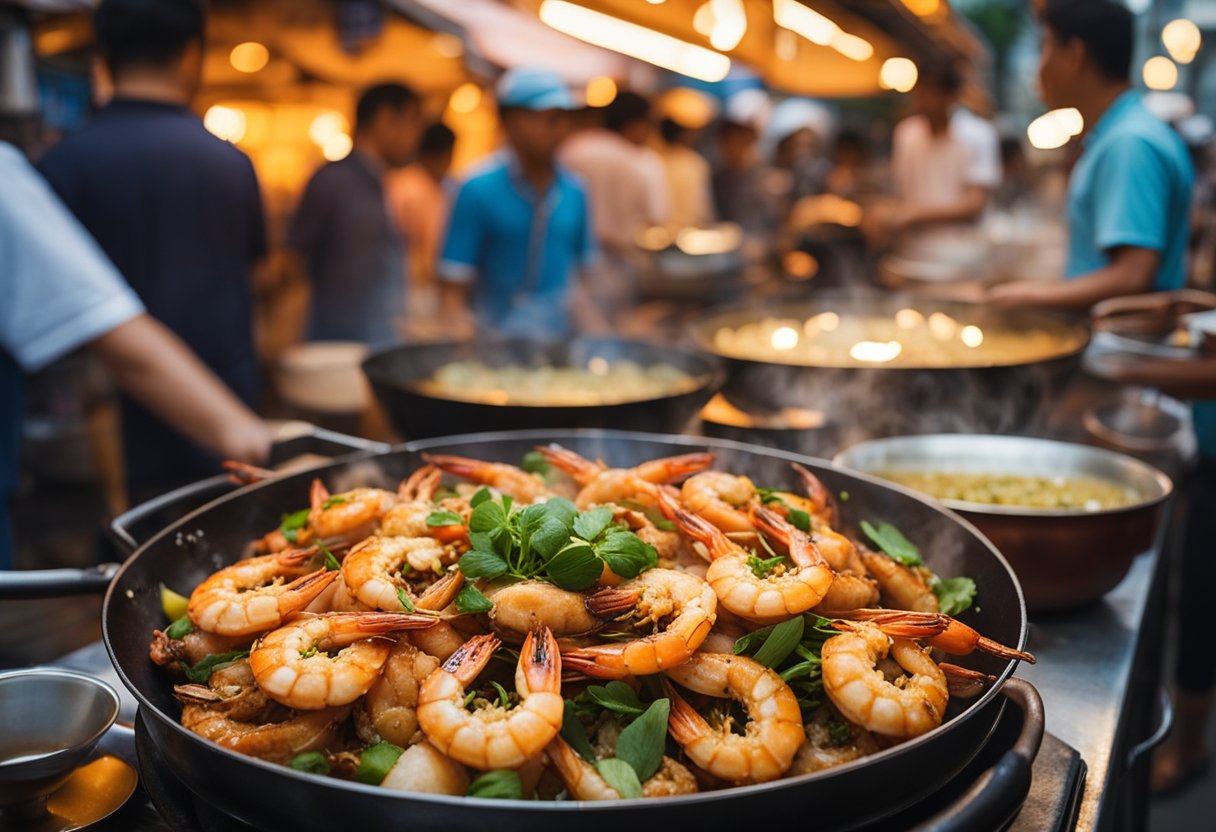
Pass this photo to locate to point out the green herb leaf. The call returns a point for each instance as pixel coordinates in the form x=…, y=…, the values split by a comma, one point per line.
x=292, y=523
x=470, y=601
x=404, y=600
x=575, y=734
x=504, y=698
x=180, y=628
x=953, y=594
x=503, y=784
x=201, y=672
x=627, y=554
x=331, y=562
x=489, y=516
x=534, y=462
x=336, y=500
x=769, y=495
x=576, y=567
x=313, y=762
x=549, y=539
x=480, y=496
x=444, y=518
x=376, y=761
x=617, y=697
x=641, y=743
x=799, y=519
x=892, y=541
x=561, y=509
x=764, y=566
x=839, y=732
x=309, y=653
x=478, y=564
x=621, y=776
x=780, y=642
x=590, y=524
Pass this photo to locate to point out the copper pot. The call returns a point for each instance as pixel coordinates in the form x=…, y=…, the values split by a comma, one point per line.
x=1063, y=557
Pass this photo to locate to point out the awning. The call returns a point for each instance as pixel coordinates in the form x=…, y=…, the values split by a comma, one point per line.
x=497, y=36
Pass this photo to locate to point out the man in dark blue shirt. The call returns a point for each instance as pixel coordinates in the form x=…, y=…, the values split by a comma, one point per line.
x=352, y=251
x=177, y=210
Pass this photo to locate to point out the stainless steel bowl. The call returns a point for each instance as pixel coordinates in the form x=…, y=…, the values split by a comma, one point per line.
x=1063, y=557
x=52, y=720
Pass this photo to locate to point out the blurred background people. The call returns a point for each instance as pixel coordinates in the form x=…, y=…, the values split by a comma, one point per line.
x=797, y=132
x=421, y=196
x=61, y=293
x=352, y=250
x=627, y=191
x=1129, y=194
x=850, y=175
x=945, y=163
x=520, y=231
x=688, y=176
x=177, y=210
x=740, y=182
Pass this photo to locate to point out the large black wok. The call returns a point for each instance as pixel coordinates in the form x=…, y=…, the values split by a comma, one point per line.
x=271, y=796
x=1009, y=397
x=395, y=375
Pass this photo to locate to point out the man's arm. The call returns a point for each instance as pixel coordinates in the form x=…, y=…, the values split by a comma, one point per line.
x=969, y=206
x=1130, y=272
x=1195, y=379
x=153, y=365
x=454, y=310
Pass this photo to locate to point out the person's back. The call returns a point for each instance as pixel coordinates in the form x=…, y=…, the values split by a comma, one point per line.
x=177, y=210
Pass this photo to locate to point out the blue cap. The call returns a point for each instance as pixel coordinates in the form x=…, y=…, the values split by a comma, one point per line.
x=533, y=88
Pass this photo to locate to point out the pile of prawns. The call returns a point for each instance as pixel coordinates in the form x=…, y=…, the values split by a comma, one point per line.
x=372, y=648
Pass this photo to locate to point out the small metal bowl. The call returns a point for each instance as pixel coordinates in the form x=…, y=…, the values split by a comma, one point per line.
x=1064, y=558
x=53, y=719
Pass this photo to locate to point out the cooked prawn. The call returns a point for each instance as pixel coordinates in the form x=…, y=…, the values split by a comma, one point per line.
x=941, y=631
x=863, y=694
x=524, y=606
x=507, y=479
x=583, y=781
x=351, y=515
x=681, y=607
x=494, y=737
x=293, y=666
x=193, y=647
x=901, y=587
x=408, y=518
x=773, y=597
x=822, y=504
x=601, y=484
x=373, y=569
x=204, y=712
x=251, y=597
x=720, y=498
x=774, y=731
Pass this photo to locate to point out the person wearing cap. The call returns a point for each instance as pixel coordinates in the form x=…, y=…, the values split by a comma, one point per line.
x=520, y=229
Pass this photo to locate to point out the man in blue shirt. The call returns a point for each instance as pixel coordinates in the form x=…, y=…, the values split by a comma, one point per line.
x=1129, y=195
x=176, y=209
x=60, y=293
x=520, y=228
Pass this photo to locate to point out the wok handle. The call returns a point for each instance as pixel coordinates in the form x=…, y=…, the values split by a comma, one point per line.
x=48, y=583
x=1000, y=792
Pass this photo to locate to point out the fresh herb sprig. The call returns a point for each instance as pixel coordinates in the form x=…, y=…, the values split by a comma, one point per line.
x=953, y=594
x=793, y=648
x=640, y=745
x=550, y=541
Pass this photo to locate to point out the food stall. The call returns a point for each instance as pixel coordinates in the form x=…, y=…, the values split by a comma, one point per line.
x=1042, y=717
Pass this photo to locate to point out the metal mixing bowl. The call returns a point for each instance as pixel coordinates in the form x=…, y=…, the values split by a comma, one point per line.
x=1063, y=557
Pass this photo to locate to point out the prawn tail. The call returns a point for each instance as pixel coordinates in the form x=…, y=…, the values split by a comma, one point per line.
x=772, y=524
x=815, y=489
x=296, y=557
x=582, y=469
x=997, y=649
x=958, y=639
x=541, y=661
x=317, y=494
x=242, y=473
x=612, y=602
x=196, y=695
x=683, y=722
x=420, y=485
x=303, y=591
x=675, y=468
x=441, y=593
x=965, y=683
x=594, y=663
x=471, y=657
x=461, y=466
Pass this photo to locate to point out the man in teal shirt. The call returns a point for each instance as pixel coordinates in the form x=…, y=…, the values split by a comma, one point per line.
x=1129, y=195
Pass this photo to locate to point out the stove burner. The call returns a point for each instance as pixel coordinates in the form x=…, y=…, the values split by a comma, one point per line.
x=1051, y=806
